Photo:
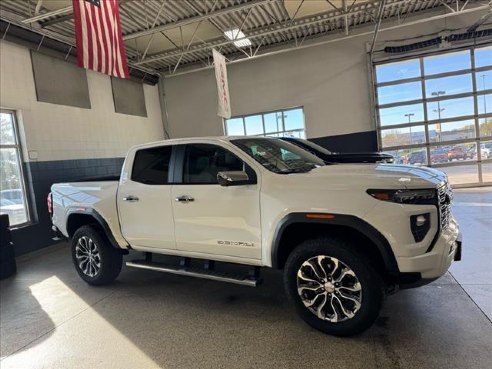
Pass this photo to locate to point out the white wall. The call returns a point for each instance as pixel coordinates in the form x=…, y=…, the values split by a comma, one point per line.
x=57, y=132
x=331, y=81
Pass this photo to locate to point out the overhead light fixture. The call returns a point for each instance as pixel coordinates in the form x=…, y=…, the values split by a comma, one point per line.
x=239, y=38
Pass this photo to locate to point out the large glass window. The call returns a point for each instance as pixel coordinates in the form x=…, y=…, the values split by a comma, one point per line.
x=13, y=201
x=282, y=123
x=436, y=110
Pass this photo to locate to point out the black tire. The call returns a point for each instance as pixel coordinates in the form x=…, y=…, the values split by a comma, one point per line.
x=7, y=268
x=370, y=287
x=109, y=258
x=6, y=251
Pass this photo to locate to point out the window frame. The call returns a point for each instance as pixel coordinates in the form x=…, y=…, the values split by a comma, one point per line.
x=476, y=94
x=180, y=161
x=20, y=162
x=269, y=133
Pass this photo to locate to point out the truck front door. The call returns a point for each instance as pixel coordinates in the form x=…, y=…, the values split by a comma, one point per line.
x=209, y=218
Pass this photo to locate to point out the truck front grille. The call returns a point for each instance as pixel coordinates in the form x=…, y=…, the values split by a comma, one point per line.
x=445, y=196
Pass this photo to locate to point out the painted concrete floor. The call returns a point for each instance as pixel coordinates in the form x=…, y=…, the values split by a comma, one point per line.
x=51, y=319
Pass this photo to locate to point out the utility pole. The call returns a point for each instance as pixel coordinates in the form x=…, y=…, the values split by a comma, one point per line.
x=409, y=116
x=438, y=111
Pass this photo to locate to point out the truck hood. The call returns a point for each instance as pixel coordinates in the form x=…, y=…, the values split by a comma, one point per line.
x=387, y=176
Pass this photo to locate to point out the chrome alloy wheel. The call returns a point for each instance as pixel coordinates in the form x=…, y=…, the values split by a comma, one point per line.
x=88, y=257
x=329, y=288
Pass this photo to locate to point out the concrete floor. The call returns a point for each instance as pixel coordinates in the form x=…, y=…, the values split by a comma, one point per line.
x=51, y=319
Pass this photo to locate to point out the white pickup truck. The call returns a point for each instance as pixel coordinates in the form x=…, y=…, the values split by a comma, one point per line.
x=343, y=234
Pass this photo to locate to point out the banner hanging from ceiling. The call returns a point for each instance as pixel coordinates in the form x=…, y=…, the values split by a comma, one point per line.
x=224, y=106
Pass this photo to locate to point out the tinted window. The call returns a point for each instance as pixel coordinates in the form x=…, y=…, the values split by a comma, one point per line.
x=203, y=162
x=151, y=166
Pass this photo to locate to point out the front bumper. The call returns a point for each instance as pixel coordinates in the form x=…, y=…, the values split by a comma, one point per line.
x=433, y=264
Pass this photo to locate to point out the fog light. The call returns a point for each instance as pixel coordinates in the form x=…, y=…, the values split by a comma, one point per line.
x=420, y=221
x=420, y=225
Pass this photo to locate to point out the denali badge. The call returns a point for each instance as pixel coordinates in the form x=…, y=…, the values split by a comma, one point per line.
x=236, y=243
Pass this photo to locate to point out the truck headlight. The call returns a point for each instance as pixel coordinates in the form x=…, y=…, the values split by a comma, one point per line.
x=426, y=196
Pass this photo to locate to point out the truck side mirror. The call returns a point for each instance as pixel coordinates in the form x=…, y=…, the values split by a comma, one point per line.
x=232, y=178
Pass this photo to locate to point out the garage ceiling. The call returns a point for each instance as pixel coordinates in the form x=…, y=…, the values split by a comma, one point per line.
x=167, y=36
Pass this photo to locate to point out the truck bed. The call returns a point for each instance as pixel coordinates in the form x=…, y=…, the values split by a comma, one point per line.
x=94, y=196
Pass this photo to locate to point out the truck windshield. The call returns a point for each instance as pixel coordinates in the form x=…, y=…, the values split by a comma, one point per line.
x=278, y=156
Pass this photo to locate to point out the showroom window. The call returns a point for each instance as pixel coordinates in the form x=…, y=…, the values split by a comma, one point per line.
x=12, y=188
x=282, y=123
x=436, y=110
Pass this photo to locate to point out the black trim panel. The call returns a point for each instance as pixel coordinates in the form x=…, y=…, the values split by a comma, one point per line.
x=351, y=142
x=102, y=222
x=343, y=220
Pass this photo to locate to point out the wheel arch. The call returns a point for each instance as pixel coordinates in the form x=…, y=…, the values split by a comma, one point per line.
x=296, y=227
x=81, y=217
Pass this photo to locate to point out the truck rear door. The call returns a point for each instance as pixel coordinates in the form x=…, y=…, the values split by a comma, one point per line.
x=144, y=199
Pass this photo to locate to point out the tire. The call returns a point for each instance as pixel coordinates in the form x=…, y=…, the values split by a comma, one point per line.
x=7, y=268
x=97, y=262
x=366, y=294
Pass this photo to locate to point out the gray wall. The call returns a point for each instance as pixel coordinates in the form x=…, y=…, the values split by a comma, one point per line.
x=65, y=143
x=331, y=81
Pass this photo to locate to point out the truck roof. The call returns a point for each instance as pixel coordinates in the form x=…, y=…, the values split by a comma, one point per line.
x=176, y=141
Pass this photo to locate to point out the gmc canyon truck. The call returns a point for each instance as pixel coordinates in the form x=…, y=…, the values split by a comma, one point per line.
x=345, y=235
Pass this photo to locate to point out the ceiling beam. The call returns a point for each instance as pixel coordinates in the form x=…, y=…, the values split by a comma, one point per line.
x=198, y=18
x=378, y=24
x=325, y=41
x=484, y=18
x=303, y=22
x=67, y=12
x=54, y=13
x=269, y=30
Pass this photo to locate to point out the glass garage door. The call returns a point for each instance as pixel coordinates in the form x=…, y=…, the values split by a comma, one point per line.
x=436, y=111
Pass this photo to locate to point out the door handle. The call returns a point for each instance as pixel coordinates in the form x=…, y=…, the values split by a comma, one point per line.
x=185, y=199
x=130, y=198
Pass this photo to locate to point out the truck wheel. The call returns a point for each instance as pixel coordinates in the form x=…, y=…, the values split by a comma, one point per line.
x=333, y=287
x=96, y=261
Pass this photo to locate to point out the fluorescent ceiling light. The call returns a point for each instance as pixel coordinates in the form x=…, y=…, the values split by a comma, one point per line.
x=239, y=36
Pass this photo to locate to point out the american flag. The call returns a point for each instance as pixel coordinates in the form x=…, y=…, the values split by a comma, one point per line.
x=98, y=37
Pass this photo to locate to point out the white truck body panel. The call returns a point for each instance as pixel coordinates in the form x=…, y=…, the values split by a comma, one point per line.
x=83, y=197
x=238, y=224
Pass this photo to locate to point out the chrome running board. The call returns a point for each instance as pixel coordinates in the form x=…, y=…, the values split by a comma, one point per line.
x=251, y=280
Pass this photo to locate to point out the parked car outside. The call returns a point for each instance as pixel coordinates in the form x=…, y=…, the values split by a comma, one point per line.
x=439, y=156
x=16, y=212
x=485, y=149
x=14, y=195
x=417, y=157
x=471, y=153
x=456, y=153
